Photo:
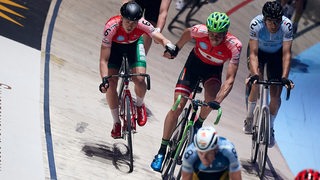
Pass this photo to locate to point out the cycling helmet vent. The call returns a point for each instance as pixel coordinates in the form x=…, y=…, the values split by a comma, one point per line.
x=218, y=22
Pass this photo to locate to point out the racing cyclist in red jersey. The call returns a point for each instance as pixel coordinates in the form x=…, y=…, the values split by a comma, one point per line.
x=121, y=34
x=214, y=46
x=156, y=12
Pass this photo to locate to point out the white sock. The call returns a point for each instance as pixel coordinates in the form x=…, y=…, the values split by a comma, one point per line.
x=272, y=118
x=139, y=101
x=115, y=115
x=251, y=106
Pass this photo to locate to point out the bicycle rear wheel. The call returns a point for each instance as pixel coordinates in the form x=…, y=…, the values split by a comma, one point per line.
x=254, y=137
x=128, y=132
x=264, y=141
x=169, y=161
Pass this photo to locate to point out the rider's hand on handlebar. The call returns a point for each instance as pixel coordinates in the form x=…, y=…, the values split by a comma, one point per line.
x=252, y=79
x=171, y=51
x=288, y=83
x=104, y=85
x=214, y=105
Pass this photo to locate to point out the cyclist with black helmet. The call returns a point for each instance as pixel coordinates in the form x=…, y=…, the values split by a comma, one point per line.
x=270, y=43
x=156, y=12
x=308, y=174
x=121, y=34
x=213, y=47
x=210, y=156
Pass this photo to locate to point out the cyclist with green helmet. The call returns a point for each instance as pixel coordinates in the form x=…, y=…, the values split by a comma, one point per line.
x=210, y=156
x=213, y=47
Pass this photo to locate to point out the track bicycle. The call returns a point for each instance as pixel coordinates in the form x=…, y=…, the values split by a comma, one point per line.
x=127, y=108
x=183, y=133
x=261, y=122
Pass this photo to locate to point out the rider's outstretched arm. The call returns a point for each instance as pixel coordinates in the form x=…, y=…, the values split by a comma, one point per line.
x=163, y=13
x=104, y=59
x=253, y=44
x=185, y=37
x=286, y=58
x=228, y=83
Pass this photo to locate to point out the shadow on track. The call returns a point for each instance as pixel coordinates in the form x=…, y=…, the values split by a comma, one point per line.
x=252, y=169
x=118, y=153
x=195, y=6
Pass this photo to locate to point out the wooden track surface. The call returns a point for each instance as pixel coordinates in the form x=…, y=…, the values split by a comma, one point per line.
x=80, y=118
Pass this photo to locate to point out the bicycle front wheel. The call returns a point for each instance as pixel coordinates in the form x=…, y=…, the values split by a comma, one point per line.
x=264, y=142
x=128, y=132
x=170, y=161
x=254, y=137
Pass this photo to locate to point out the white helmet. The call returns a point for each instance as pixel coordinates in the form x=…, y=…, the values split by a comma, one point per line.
x=206, y=139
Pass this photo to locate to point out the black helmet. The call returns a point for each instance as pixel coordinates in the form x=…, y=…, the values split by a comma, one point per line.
x=131, y=10
x=272, y=9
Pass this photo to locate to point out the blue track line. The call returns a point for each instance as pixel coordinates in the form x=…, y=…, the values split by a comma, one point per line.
x=46, y=106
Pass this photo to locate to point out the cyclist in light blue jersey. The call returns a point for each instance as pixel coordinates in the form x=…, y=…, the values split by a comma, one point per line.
x=210, y=157
x=270, y=43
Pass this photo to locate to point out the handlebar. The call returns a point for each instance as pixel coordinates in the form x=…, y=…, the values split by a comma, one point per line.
x=271, y=82
x=197, y=102
x=128, y=76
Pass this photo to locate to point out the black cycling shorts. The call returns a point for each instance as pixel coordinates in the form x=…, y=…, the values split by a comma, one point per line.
x=198, y=175
x=195, y=69
x=151, y=9
x=274, y=64
x=136, y=58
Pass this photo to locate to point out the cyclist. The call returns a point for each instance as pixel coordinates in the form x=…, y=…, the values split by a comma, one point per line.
x=270, y=43
x=308, y=174
x=121, y=34
x=155, y=12
x=214, y=46
x=210, y=157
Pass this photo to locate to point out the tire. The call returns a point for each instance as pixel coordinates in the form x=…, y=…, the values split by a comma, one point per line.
x=120, y=90
x=254, y=137
x=129, y=133
x=169, y=161
x=264, y=142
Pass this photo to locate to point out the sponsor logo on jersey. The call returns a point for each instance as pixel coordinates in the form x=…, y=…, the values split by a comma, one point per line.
x=203, y=45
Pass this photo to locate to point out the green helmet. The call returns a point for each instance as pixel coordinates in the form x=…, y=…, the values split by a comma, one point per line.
x=218, y=22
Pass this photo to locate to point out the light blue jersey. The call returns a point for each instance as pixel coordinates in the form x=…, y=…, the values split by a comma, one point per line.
x=226, y=159
x=270, y=42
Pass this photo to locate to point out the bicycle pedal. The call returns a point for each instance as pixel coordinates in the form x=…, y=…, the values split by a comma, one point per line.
x=179, y=161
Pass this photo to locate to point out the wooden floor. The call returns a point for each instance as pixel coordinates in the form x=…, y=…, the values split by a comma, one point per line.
x=80, y=118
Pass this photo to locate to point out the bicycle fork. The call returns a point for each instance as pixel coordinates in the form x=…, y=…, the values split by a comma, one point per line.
x=126, y=93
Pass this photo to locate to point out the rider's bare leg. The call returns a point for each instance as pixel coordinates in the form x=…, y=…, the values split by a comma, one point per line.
x=112, y=96
x=140, y=87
